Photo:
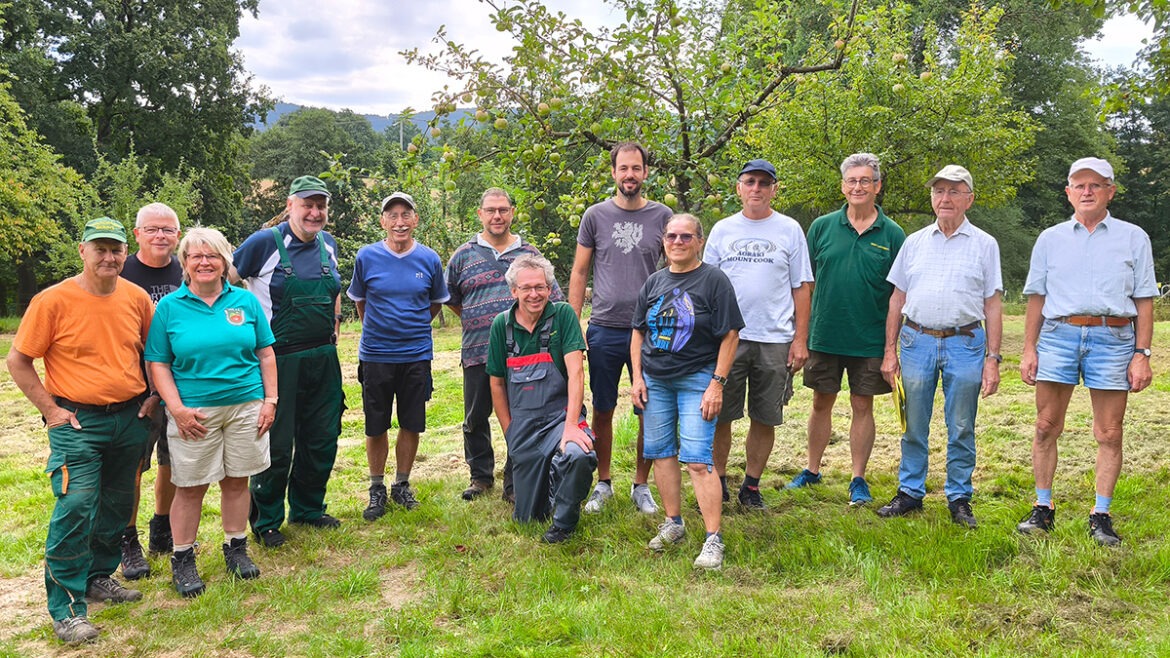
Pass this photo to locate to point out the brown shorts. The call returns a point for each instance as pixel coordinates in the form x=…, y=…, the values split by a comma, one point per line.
x=822, y=373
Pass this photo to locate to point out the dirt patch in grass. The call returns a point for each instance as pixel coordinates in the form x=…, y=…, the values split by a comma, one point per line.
x=400, y=586
x=22, y=600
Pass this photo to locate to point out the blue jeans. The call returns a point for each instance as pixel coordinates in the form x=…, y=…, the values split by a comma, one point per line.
x=959, y=359
x=674, y=422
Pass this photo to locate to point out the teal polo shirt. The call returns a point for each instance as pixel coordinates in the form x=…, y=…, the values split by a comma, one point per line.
x=851, y=296
x=211, y=349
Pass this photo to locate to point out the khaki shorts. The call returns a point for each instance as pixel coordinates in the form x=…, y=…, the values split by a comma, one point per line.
x=823, y=371
x=761, y=371
x=230, y=448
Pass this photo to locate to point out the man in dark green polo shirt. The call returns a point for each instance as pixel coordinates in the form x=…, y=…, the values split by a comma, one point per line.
x=852, y=251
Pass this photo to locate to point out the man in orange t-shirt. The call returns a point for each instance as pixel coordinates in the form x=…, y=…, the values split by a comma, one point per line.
x=89, y=330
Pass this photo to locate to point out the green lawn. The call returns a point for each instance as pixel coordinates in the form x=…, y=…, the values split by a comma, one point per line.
x=809, y=577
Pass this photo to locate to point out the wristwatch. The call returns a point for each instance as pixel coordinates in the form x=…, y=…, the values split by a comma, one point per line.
x=719, y=378
x=1144, y=351
x=992, y=355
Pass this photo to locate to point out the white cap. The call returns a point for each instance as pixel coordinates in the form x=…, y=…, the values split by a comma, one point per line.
x=1096, y=165
x=398, y=196
x=953, y=173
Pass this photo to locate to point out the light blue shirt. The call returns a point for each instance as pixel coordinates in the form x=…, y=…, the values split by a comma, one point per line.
x=1097, y=273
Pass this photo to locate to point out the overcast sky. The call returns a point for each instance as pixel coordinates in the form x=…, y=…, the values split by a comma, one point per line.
x=344, y=54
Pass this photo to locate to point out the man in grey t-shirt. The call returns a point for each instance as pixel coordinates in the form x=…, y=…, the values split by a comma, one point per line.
x=624, y=236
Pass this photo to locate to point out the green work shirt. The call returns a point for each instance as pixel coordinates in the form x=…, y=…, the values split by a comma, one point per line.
x=851, y=296
x=565, y=337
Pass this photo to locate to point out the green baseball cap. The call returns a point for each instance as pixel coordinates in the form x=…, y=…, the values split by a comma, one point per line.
x=307, y=186
x=104, y=227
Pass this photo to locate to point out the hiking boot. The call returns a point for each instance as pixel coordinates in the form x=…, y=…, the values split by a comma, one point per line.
x=323, y=522
x=859, y=492
x=555, y=535
x=1101, y=529
x=476, y=489
x=235, y=555
x=961, y=513
x=75, y=630
x=509, y=496
x=601, y=493
x=1040, y=519
x=669, y=532
x=184, y=575
x=711, y=557
x=104, y=589
x=160, y=535
x=377, y=507
x=750, y=499
x=901, y=505
x=643, y=499
x=270, y=538
x=401, y=493
x=803, y=479
x=134, y=564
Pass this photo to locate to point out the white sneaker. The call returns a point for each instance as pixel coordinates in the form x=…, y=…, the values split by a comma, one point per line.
x=643, y=499
x=601, y=493
x=669, y=532
x=711, y=557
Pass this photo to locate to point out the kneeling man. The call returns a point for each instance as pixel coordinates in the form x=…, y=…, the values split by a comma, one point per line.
x=536, y=364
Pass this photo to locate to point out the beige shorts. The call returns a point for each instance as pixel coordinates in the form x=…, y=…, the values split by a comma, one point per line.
x=230, y=448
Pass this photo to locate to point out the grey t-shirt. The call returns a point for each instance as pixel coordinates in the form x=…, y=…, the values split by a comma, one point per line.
x=627, y=247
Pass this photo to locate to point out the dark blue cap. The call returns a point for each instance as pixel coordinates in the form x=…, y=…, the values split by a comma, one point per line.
x=759, y=165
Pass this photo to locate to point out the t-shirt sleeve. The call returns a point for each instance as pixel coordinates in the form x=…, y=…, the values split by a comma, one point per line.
x=711, y=249
x=572, y=340
x=451, y=275
x=897, y=275
x=496, y=358
x=640, y=306
x=1037, y=281
x=725, y=313
x=35, y=333
x=357, y=286
x=586, y=233
x=799, y=268
x=1144, y=285
x=158, y=341
x=264, y=335
x=250, y=255
x=992, y=275
x=439, y=292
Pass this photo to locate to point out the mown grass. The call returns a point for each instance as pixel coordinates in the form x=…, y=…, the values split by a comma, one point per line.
x=809, y=577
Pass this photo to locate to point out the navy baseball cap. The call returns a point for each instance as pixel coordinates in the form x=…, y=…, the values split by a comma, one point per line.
x=759, y=165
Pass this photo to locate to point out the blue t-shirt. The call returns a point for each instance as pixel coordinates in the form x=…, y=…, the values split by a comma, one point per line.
x=211, y=349
x=398, y=290
x=258, y=262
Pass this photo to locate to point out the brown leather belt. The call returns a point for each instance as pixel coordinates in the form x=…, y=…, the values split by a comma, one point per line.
x=965, y=330
x=1096, y=320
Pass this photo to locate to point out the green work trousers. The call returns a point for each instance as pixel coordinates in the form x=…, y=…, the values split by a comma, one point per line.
x=92, y=473
x=303, y=439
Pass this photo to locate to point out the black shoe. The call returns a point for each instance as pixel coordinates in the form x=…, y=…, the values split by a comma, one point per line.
x=476, y=489
x=726, y=491
x=235, y=555
x=509, y=496
x=134, y=564
x=377, y=507
x=270, y=538
x=104, y=589
x=401, y=494
x=555, y=535
x=184, y=575
x=160, y=535
x=902, y=504
x=1040, y=519
x=749, y=498
x=961, y=512
x=323, y=522
x=1101, y=529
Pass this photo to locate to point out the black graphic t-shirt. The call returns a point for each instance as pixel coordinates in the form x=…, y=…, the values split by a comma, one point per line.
x=157, y=281
x=683, y=318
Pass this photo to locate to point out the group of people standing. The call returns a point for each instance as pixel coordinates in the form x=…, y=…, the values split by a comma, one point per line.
x=251, y=384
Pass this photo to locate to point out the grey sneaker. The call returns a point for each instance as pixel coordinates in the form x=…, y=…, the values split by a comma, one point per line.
x=75, y=630
x=107, y=590
x=669, y=532
x=711, y=557
x=601, y=493
x=643, y=499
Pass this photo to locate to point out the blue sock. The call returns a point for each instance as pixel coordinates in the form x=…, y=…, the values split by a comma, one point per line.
x=1102, y=506
x=1044, y=497
x=677, y=519
x=717, y=534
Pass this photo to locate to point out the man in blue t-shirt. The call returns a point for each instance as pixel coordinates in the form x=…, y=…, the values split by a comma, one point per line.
x=398, y=287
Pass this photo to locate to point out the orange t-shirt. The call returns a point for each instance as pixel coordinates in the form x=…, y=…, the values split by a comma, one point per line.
x=91, y=345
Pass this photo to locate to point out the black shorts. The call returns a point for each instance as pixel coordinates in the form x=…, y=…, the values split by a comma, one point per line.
x=157, y=436
x=382, y=383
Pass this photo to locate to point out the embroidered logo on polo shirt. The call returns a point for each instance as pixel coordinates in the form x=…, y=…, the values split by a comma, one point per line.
x=235, y=316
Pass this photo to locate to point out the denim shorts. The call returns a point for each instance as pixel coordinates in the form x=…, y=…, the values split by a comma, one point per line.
x=1100, y=355
x=673, y=418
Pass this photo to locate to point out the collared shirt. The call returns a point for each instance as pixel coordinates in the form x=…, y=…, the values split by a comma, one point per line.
x=1097, y=273
x=946, y=280
x=565, y=337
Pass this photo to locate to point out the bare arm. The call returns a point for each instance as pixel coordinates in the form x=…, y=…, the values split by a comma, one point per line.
x=575, y=369
x=637, y=384
x=337, y=316
x=582, y=261
x=361, y=310
x=993, y=324
x=267, y=358
x=890, y=366
x=457, y=309
x=802, y=300
x=24, y=374
x=1033, y=319
x=500, y=402
x=712, y=402
x=1140, y=373
x=435, y=310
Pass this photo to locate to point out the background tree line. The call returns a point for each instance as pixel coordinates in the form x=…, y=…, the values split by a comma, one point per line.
x=107, y=105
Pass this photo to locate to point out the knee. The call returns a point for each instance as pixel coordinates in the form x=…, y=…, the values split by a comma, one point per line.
x=1108, y=436
x=1048, y=427
x=862, y=405
x=698, y=470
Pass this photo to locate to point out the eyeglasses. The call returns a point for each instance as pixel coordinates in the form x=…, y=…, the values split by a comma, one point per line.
x=859, y=182
x=495, y=211
x=405, y=214
x=1081, y=188
x=949, y=192
x=684, y=238
x=211, y=258
x=757, y=182
x=155, y=230
x=524, y=290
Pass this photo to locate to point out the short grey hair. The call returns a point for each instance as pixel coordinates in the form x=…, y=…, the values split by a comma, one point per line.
x=156, y=209
x=687, y=217
x=495, y=191
x=530, y=262
x=213, y=240
x=862, y=160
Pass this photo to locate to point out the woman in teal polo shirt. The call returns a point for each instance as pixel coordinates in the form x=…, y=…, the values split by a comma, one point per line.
x=211, y=359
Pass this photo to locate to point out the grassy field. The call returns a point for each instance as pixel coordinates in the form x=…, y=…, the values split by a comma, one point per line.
x=809, y=577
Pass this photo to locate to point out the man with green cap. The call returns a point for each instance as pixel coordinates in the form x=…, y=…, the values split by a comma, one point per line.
x=89, y=330
x=292, y=269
